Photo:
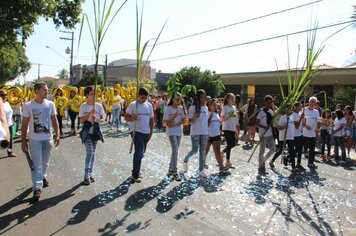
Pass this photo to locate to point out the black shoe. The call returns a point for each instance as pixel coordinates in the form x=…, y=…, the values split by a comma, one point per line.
x=45, y=183
x=36, y=195
x=137, y=180
x=285, y=161
x=86, y=181
x=262, y=171
x=92, y=180
x=176, y=177
x=301, y=167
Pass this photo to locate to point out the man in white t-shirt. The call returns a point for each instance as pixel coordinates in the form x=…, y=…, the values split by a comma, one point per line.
x=263, y=122
x=310, y=122
x=139, y=115
x=38, y=115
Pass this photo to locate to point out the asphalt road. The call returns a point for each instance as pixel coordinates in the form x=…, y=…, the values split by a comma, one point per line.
x=320, y=202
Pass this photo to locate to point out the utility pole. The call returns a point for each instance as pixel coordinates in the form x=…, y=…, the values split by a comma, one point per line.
x=69, y=51
x=38, y=70
x=106, y=71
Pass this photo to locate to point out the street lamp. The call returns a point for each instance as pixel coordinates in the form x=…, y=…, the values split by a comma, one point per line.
x=69, y=51
x=57, y=53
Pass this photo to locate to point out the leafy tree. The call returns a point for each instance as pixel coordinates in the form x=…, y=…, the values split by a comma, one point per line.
x=13, y=62
x=89, y=79
x=206, y=80
x=347, y=95
x=17, y=18
x=63, y=74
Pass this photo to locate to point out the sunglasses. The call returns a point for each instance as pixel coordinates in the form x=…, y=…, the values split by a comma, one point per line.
x=3, y=95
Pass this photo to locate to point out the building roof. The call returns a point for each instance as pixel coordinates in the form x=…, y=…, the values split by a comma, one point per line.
x=329, y=76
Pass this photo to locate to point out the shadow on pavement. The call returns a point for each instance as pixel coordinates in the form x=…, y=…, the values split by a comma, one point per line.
x=259, y=188
x=299, y=181
x=83, y=208
x=141, y=197
x=110, y=228
x=22, y=215
x=186, y=188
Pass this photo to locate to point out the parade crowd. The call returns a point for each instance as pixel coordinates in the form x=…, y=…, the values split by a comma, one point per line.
x=210, y=122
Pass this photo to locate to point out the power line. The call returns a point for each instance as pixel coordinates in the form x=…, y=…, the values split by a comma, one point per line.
x=225, y=26
x=254, y=41
x=246, y=43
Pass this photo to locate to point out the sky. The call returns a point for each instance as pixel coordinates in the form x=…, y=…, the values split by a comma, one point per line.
x=187, y=17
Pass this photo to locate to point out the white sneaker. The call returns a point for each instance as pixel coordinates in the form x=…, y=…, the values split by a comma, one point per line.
x=203, y=174
x=185, y=166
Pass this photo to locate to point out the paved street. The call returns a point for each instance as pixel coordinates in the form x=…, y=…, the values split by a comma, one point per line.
x=322, y=202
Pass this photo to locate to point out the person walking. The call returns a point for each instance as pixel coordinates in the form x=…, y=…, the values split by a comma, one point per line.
x=91, y=113
x=72, y=114
x=228, y=117
x=8, y=114
x=338, y=133
x=39, y=115
x=140, y=117
x=264, y=123
x=298, y=117
x=198, y=118
x=310, y=122
x=173, y=119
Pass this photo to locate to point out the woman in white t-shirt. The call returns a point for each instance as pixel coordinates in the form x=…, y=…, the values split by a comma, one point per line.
x=228, y=117
x=214, y=140
x=338, y=133
x=298, y=117
x=90, y=115
x=198, y=118
x=173, y=119
x=286, y=136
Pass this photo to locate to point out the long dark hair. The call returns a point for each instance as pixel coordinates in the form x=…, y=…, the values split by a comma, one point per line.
x=196, y=103
x=237, y=99
x=339, y=114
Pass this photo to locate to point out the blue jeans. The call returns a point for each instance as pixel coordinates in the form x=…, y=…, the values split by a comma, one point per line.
x=198, y=141
x=90, y=148
x=338, y=143
x=116, y=113
x=175, y=142
x=140, y=143
x=40, y=151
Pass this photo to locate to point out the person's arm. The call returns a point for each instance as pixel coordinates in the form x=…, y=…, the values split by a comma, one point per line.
x=298, y=122
x=86, y=116
x=25, y=121
x=253, y=113
x=152, y=124
x=338, y=129
x=56, y=129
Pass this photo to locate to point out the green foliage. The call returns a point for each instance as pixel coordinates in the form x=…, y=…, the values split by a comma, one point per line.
x=194, y=79
x=298, y=83
x=13, y=62
x=103, y=19
x=63, y=74
x=89, y=79
x=17, y=18
x=347, y=94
